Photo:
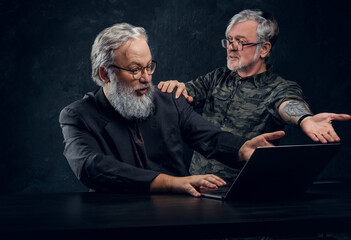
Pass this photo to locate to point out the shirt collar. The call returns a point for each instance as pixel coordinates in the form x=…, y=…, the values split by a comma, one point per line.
x=258, y=80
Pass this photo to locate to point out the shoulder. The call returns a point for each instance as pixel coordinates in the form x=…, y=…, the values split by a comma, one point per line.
x=280, y=82
x=219, y=72
x=81, y=107
x=223, y=70
x=166, y=103
x=210, y=79
x=282, y=88
x=168, y=99
x=82, y=104
x=287, y=83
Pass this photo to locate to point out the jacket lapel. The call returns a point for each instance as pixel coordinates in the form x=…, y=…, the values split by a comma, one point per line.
x=120, y=137
x=116, y=128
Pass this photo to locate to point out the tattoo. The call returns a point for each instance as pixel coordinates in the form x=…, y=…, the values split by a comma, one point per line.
x=295, y=109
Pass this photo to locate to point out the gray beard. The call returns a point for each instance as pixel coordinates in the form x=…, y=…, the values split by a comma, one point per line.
x=122, y=98
x=241, y=67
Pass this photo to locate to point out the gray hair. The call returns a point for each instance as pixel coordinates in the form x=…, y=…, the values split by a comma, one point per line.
x=267, y=29
x=102, y=52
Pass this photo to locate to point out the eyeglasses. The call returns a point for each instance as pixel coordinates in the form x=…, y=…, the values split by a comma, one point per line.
x=137, y=72
x=240, y=45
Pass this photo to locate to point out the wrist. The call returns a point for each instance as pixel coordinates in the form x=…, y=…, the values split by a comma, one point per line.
x=302, y=118
x=242, y=153
x=162, y=183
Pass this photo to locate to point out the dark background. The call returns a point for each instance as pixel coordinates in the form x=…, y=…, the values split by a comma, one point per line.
x=45, y=65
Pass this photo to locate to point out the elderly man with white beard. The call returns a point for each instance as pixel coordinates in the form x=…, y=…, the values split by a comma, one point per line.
x=127, y=136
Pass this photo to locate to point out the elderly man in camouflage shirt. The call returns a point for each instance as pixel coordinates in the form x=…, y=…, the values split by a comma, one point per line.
x=246, y=97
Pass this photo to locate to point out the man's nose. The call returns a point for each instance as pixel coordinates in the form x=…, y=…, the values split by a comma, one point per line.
x=232, y=47
x=145, y=77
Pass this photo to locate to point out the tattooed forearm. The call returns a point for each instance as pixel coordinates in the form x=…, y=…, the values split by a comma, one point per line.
x=295, y=109
x=292, y=110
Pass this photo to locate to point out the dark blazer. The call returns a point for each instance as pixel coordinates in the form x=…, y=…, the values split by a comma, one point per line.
x=99, y=150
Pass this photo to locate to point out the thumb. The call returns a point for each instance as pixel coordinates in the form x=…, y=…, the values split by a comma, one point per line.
x=340, y=117
x=273, y=135
x=192, y=191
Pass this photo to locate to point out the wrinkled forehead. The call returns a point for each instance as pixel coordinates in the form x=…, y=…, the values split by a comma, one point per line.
x=134, y=51
x=246, y=29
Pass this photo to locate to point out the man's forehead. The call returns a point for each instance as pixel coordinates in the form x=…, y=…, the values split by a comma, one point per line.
x=134, y=51
x=244, y=29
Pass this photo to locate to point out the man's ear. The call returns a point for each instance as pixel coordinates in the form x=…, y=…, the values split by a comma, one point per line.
x=103, y=74
x=265, y=49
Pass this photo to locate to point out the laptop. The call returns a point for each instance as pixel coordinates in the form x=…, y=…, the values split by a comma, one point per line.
x=277, y=172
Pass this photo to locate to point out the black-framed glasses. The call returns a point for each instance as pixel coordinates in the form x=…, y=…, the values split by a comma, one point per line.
x=137, y=72
x=240, y=45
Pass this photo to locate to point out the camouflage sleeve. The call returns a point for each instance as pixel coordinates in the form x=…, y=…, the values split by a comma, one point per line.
x=285, y=90
x=201, y=87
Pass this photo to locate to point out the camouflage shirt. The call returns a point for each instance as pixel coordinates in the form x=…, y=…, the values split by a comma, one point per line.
x=243, y=106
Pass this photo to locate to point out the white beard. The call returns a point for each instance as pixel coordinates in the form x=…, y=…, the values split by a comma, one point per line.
x=243, y=66
x=124, y=101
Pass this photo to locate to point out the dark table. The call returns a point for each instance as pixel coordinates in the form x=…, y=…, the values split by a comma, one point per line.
x=326, y=208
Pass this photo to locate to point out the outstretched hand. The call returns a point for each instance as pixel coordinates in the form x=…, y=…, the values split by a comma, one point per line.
x=319, y=127
x=262, y=140
x=169, y=86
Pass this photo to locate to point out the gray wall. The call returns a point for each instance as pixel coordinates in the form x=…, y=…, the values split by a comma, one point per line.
x=45, y=65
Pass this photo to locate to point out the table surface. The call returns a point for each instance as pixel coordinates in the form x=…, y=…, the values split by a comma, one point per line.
x=325, y=208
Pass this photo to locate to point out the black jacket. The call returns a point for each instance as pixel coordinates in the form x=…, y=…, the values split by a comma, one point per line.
x=99, y=150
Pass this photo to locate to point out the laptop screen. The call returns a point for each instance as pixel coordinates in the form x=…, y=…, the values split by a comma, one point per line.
x=280, y=171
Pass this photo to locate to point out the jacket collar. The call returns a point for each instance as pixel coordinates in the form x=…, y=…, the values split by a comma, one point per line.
x=104, y=106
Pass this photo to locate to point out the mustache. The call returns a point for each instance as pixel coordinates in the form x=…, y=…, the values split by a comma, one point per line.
x=142, y=86
x=233, y=54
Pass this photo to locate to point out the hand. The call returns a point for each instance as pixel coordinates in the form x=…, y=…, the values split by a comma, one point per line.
x=319, y=127
x=189, y=184
x=262, y=140
x=169, y=86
